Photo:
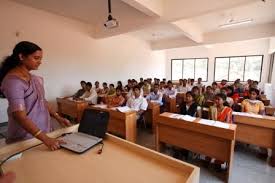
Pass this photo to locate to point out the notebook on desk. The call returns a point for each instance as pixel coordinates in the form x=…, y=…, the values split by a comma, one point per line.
x=91, y=131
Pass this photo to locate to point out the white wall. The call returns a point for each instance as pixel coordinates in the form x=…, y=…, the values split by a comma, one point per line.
x=251, y=47
x=71, y=54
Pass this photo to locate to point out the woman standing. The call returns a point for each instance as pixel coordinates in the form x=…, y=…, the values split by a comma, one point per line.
x=28, y=111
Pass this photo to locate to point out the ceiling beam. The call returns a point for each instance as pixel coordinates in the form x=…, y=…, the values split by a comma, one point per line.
x=152, y=8
x=190, y=30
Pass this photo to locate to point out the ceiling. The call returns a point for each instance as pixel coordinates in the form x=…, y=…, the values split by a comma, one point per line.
x=165, y=20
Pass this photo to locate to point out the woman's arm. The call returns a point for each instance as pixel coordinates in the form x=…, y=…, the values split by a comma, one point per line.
x=29, y=126
x=55, y=115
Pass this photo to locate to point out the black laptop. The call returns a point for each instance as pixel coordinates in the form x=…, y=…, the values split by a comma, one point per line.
x=91, y=131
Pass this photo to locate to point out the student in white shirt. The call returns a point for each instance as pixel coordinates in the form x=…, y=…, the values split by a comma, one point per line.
x=90, y=94
x=156, y=95
x=182, y=88
x=170, y=91
x=137, y=102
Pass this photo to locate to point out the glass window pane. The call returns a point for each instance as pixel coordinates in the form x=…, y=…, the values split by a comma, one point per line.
x=253, y=67
x=221, y=69
x=201, y=69
x=176, y=69
x=236, y=70
x=188, y=68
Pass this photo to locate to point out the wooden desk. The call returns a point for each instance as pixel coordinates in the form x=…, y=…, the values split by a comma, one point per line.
x=171, y=105
x=180, y=98
x=152, y=114
x=266, y=102
x=269, y=110
x=71, y=108
x=120, y=161
x=211, y=141
x=254, y=130
x=121, y=124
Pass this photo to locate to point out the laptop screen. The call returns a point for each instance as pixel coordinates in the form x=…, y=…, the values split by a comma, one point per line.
x=94, y=122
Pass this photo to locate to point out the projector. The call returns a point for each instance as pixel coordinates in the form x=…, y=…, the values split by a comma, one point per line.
x=111, y=23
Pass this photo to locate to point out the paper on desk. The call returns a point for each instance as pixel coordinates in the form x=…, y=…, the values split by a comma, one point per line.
x=221, y=125
x=176, y=116
x=207, y=122
x=188, y=118
x=103, y=106
x=247, y=114
x=124, y=109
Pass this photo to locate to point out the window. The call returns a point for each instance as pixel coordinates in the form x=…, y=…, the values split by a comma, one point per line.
x=190, y=68
x=242, y=67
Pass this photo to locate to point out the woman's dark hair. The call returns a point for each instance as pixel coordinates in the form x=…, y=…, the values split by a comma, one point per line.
x=254, y=90
x=136, y=87
x=82, y=82
x=25, y=48
x=232, y=91
x=221, y=95
x=112, y=85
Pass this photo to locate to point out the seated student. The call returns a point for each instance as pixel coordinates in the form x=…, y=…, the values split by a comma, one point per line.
x=252, y=105
x=182, y=88
x=255, y=85
x=208, y=95
x=141, y=80
x=199, y=99
x=215, y=88
x=156, y=95
x=189, y=107
x=219, y=112
x=80, y=92
x=162, y=87
x=89, y=95
x=137, y=102
x=112, y=90
x=128, y=86
x=222, y=84
x=97, y=87
x=164, y=80
x=105, y=89
x=134, y=82
x=116, y=100
x=237, y=86
x=229, y=100
x=170, y=91
x=232, y=94
x=248, y=85
x=146, y=87
x=200, y=85
x=191, y=84
x=119, y=85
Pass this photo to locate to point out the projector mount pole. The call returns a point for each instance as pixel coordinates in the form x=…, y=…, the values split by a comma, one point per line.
x=110, y=10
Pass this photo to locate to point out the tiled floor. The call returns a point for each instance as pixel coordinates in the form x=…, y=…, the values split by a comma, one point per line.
x=247, y=168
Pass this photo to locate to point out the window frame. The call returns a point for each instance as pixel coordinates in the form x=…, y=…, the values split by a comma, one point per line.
x=182, y=59
x=244, y=66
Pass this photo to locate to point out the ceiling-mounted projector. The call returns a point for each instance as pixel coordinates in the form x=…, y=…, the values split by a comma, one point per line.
x=111, y=22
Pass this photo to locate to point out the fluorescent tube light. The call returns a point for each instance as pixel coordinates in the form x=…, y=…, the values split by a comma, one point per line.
x=241, y=22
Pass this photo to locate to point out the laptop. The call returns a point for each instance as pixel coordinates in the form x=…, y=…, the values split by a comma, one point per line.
x=91, y=131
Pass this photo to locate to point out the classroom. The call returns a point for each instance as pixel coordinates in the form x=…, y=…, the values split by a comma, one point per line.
x=137, y=91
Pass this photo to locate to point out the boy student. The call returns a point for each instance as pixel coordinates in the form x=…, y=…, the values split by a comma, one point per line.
x=80, y=92
x=170, y=91
x=155, y=95
x=137, y=102
x=90, y=94
x=215, y=88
